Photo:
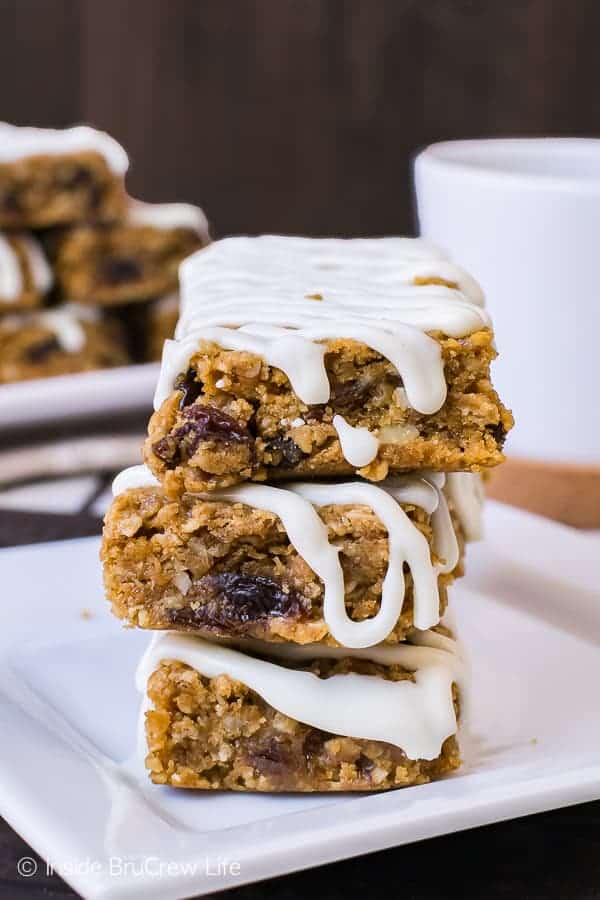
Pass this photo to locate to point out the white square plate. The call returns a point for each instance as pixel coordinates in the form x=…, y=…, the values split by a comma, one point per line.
x=528, y=612
x=73, y=396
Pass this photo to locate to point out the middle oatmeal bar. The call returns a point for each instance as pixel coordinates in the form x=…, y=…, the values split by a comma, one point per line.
x=299, y=357
x=350, y=563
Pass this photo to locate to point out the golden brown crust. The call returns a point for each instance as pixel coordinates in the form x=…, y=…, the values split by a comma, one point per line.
x=217, y=734
x=281, y=437
x=226, y=569
x=30, y=349
x=121, y=263
x=43, y=191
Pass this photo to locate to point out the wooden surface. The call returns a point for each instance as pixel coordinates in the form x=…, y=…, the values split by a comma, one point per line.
x=302, y=116
x=566, y=493
x=298, y=115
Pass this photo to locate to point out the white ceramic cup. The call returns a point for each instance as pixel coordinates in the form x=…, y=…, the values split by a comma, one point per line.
x=523, y=216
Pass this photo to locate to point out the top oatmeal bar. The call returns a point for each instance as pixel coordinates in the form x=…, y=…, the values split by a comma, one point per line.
x=57, y=177
x=324, y=357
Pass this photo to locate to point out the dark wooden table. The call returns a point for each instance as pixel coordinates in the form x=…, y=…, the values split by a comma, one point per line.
x=553, y=856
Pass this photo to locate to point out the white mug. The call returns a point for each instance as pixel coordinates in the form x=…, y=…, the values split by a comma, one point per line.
x=523, y=217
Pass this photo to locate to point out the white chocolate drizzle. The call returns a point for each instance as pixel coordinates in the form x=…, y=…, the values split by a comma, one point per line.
x=295, y=507
x=359, y=446
x=406, y=544
x=132, y=478
x=12, y=282
x=41, y=273
x=168, y=215
x=467, y=495
x=416, y=716
x=66, y=327
x=11, y=277
x=18, y=142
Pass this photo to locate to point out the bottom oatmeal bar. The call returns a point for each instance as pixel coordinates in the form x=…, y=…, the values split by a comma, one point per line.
x=208, y=729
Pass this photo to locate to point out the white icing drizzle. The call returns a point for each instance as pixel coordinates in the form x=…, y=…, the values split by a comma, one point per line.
x=133, y=477
x=295, y=507
x=66, y=327
x=17, y=142
x=168, y=215
x=437, y=641
x=359, y=446
x=12, y=283
x=41, y=273
x=404, y=654
x=406, y=544
x=415, y=716
x=11, y=277
x=410, y=489
x=467, y=495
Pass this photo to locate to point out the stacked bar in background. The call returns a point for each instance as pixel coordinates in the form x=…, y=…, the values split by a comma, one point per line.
x=76, y=252
x=310, y=482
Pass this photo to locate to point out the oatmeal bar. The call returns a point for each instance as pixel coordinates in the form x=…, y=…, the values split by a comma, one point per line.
x=299, y=357
x=130, y=261
x=60, y=341
x=25, y=276
x=55, y=177
x=219, y=719
x=349, y=563
x=160, y=324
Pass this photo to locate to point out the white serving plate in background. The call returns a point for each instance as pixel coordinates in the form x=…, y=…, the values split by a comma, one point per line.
x=63, y=397
x=528, y=613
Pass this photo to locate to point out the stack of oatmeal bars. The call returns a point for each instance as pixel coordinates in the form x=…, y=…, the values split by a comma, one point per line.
x=311, y=479
x=76, y=251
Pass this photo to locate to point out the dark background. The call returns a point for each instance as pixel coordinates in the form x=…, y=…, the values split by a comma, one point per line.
x=298, y=115
x=302, y=116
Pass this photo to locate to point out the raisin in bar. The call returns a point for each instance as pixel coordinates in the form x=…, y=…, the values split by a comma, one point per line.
x=308, y=720
x=350, y=563
x=130, y=261
x=25, y=276
x=300, y=357
x=59, y=341
x=56, y=177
